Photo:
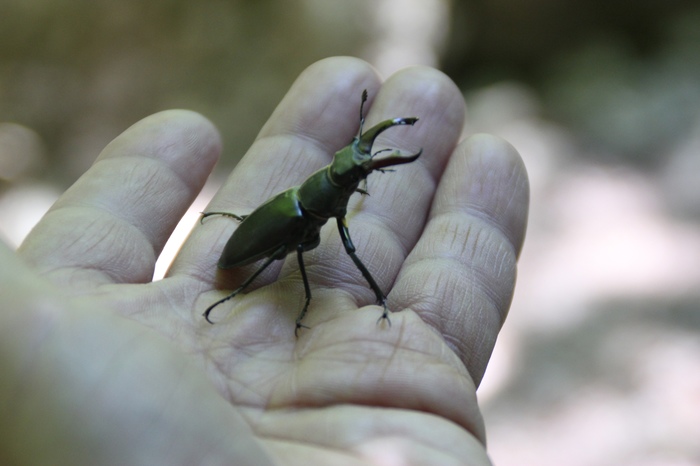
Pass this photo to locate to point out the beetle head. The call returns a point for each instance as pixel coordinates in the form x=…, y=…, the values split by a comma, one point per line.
x=355, y=161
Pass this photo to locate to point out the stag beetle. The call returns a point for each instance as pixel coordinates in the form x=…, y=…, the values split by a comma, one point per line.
x=292, y=220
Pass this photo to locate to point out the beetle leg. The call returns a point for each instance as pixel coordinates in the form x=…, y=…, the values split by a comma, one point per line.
x=350, y=249
x=273, y=257
x=363, y=189
x=385, y=170
x=307, y=290
x=240, y=218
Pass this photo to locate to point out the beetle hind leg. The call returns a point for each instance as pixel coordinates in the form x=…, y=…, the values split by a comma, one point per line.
x=248, y=281
x=307, y=290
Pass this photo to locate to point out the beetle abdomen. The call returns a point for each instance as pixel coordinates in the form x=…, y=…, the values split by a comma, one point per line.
x=279, y=221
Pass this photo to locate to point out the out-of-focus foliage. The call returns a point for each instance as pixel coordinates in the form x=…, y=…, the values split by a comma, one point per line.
x=78, y=72
x=624, y=76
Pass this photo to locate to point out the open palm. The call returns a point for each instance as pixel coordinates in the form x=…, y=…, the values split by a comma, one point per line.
x=108, y=367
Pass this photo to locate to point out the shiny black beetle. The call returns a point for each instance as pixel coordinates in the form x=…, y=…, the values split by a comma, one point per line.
x=292, y=220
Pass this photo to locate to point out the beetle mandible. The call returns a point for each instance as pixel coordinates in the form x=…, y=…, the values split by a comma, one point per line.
x=292, y=220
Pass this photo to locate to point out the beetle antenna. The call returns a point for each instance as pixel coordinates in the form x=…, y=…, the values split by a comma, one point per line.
x=380, y=151
x=362, y=117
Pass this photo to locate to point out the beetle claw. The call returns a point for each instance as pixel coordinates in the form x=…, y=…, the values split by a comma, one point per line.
x=384, y=316
x=385, y=313
x=206, y=315
x=299, y=325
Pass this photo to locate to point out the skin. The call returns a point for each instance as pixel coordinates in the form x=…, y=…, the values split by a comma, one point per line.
x=102, y=366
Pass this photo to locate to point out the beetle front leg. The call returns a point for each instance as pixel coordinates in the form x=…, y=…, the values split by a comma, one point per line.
x=307, y=289
x=350, y=249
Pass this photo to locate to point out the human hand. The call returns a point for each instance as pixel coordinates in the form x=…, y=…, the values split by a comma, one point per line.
x=102, y=366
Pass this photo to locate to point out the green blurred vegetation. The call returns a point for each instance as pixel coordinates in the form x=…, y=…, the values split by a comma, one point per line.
x=624, y=76
x=78, y=72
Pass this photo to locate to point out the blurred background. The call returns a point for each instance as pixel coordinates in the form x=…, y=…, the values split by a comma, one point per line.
x=599, y=362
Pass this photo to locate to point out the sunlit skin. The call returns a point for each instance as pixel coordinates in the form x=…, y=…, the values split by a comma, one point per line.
x=100, y=365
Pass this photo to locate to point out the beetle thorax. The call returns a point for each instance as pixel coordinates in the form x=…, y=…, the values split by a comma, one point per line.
x=349, y=167
x=323, y=197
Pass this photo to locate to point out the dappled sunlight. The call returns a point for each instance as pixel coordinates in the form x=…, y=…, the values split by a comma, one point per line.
x=407, y=33
x=648, y=420
x=596, y=362
x=21, y=208
x=606, y=237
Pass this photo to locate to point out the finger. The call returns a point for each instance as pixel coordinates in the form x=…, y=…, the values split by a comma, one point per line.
x=110, y=226
x=318, y=116
x=64, y=373
x=461, y=274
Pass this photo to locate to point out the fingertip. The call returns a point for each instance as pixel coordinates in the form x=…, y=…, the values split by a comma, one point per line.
x=338, y=71
x=431, y=92
x=326, y=95
x=498, y=184
x=186, y=141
